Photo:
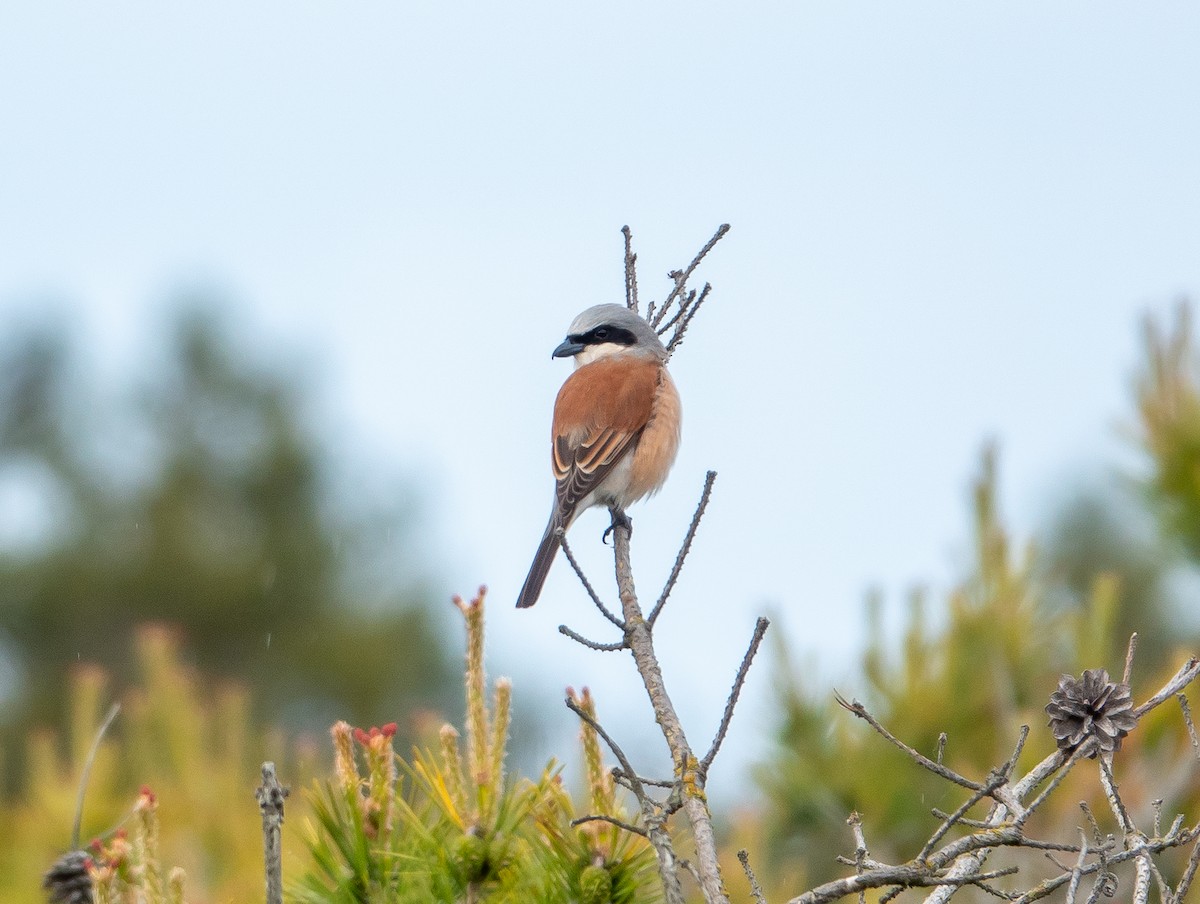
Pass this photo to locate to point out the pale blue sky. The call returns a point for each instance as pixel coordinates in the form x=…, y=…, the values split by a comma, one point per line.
x=947, y=220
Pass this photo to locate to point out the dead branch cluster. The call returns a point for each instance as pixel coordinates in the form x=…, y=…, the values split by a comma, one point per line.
x=949, y=865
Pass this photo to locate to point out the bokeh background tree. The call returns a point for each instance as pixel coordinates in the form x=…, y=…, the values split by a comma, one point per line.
x=200, y=495
x=981, y=661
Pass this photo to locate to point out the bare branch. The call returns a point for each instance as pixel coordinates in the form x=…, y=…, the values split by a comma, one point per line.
x=995, y=780
x=631, y=291
x=709, y=479
x=909, y=875
x=861, y=853
x=583, y=714
x=691, y=781
x=1129, y=654
x=760, y=628
x=619, y=775
x=936, y=768
x=591, y=644
x=1186, y=675
x=962, y=820
x=1077, y=872
x=604, y=817
x=1097, y=835
x=1187, y=720
x=604, y=610
x=1076, y=755
x=755, y=888
x=1112, y=793
x=686, y=321
x=1189, y=873
x=681, y=277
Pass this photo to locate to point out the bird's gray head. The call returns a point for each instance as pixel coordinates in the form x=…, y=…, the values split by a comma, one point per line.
x=608, y=329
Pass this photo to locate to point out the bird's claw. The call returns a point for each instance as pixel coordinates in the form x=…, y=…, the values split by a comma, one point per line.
x=619, y=519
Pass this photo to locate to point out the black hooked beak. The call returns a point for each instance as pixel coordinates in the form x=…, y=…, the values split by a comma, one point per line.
x=568, y=347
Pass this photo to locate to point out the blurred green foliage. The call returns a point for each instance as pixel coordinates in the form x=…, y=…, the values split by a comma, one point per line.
x=452, y=825
x=983, y=661
x=443, y=824
x=191, y=742
x=204, y=498
x=201, y=502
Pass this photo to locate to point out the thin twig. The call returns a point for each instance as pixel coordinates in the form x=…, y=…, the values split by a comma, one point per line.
x=994, y=781
x=604, y=817
x=677, y=337
x=1113, y=793
x=1186, y=675
x=681, y=277
x=709, y=479
x=936, y=768
x=993, y=891
x=1129, y=653
x=604, y=610
x=962, y=820
x=1038, y=845
x=1189, y=873
x=908, y=875
x=1076, y=755
x=1187, y=720
x=591, y=644
x=861, y=853
x=1077, y=871
x=760, y=628
x=619, y=775
x=86, y=772
x=636, y=785
x=1097, y=835
x=1164, y=889
x=631, y=292
x=1105, y=884
x=755, y=889
x=887, y=897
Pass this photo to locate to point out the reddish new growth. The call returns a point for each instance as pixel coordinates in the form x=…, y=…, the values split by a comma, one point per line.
x=474, y=605
x=375, y=737
x=147, y=800
x=108, y=858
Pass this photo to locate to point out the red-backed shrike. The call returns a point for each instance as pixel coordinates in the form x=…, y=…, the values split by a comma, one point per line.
x=616, y=425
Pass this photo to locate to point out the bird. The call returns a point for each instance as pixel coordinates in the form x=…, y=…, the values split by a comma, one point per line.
x=616, y=425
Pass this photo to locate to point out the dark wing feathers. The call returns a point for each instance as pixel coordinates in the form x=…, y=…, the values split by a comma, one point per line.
x=587, y=466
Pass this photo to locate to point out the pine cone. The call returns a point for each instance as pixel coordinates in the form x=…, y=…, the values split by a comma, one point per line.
x=1090, y=706
x=67, y=881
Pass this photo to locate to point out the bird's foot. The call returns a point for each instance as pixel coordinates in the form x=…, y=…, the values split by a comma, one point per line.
x=619, y=519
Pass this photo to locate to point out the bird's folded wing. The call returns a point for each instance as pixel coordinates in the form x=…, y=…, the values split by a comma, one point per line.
x=580, y=469
x=600, y=412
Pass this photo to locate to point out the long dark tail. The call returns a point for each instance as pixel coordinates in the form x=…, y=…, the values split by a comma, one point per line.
x=542, y=561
